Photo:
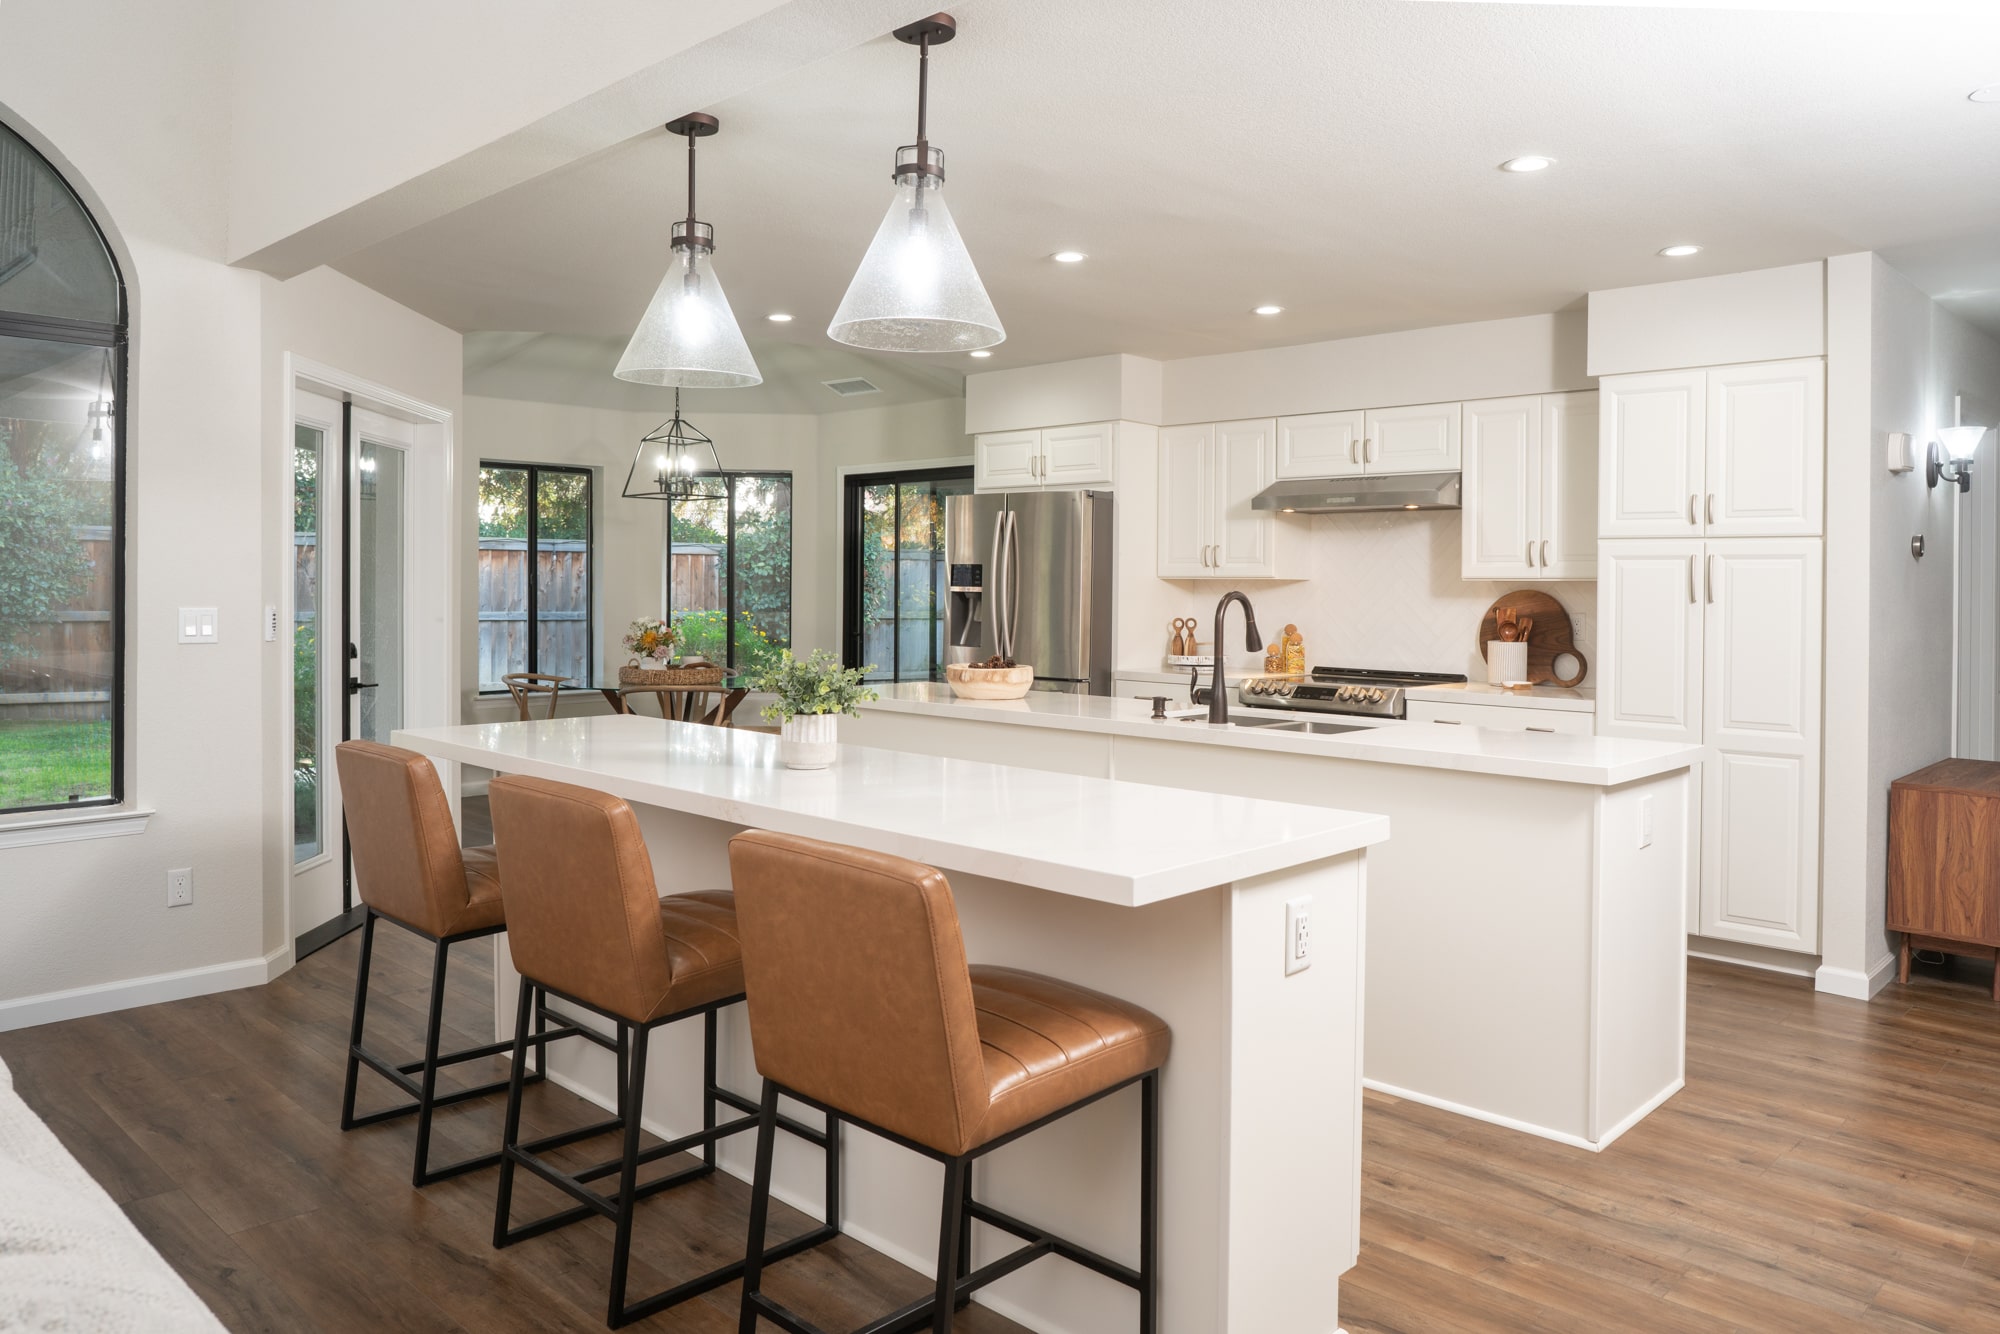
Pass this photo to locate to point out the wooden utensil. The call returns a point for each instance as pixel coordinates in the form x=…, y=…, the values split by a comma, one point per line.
x=1544, y=624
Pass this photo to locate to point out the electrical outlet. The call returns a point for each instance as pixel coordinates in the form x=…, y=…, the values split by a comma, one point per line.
x=1645, y=822
x=1298, y=935
x=180, y=887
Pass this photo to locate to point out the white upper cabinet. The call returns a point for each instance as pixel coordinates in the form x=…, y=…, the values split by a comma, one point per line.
x=1208, y=476
x=1502, y=488
x=1006, y=460
x=1650, y=454
x=1057, y=456
x=1423, y=438
x=1530, y=488
x=1322, y=444
x=1187, y=501
x=1766, y=450
x=1738, y=451
x=1649, y=645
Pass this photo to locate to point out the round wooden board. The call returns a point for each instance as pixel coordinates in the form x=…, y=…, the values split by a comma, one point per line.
x=1550, y=637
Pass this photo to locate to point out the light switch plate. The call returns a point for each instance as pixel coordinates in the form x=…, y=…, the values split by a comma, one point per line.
x=1901, y=457
x=197, y=625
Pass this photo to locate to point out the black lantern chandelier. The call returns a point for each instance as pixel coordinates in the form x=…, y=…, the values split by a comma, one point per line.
x=676, y=461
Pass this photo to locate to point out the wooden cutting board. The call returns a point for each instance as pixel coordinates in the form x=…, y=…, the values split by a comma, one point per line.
x=1549, y=638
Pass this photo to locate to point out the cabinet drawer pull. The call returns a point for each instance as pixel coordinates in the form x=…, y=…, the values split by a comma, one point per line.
x=1711, y=507
x=1447, y=722
x=1694, y=513
x=1539, y=729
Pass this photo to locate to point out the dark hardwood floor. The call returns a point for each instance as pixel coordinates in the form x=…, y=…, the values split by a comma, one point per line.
x=1830, y=1166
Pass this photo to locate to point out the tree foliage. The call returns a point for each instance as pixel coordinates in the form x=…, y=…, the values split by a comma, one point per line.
x=43, y=565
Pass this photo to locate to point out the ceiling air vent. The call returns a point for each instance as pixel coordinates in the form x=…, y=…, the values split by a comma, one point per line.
x=849, y=388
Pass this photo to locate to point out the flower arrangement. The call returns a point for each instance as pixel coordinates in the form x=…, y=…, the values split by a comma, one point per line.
x=651, y=637
x=812, y=686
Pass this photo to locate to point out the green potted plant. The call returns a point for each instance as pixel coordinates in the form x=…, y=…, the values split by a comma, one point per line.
x=811, y=694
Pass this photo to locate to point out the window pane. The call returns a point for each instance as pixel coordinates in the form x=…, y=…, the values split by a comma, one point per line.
x=380, y=522
x=762, y=627
x=503, y=574
x=698, y=586
x=920, y=553
x=878, y=581
x=57, y=584
x=52, y=261
x=308, y=452
x=562, y=574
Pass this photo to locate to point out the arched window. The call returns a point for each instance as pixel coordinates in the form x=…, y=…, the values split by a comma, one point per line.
x=62, y=471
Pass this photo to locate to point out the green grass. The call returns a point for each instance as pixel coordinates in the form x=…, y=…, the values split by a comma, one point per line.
x=46, y=763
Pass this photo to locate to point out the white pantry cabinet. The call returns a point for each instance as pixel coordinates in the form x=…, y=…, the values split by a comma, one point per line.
x=1053, y=457
x=1718, y=643
x=1209, y=474
x=1530, y=488
x=1734, y=451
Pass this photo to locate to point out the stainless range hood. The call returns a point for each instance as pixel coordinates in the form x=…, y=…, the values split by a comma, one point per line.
x=1353, y=495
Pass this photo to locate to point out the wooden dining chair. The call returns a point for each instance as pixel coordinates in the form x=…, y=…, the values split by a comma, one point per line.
x=524, y=685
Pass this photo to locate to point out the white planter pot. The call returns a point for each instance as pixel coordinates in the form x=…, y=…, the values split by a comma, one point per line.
x=809, y=740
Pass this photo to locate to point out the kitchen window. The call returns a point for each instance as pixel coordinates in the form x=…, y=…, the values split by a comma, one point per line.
x=62, y=495
x=728, y=576
x=895, y=571
x=535, y=517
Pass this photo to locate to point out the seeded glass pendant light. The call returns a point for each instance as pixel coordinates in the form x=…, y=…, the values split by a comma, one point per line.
x=688, y=335
x=916, y=289
x=676, y=461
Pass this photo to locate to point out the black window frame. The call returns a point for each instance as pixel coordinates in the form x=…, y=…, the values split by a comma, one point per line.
x=852, y=631
x=730, y=612
x=533, y=622
x=115, y=337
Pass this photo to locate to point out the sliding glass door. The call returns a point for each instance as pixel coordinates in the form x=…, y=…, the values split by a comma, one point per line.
x=895, y=571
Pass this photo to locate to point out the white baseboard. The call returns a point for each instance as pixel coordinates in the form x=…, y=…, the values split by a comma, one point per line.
x=1853, y=984
x=1526, y=1127
x=103, y=998
x=1742, y=955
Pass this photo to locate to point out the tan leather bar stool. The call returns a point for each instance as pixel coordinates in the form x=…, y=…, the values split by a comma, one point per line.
x=410, y=870
x=586, y=922
x=861, y=1004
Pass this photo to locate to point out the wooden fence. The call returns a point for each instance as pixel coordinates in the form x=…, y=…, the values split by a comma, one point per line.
x=66, y=658
x=698, y=577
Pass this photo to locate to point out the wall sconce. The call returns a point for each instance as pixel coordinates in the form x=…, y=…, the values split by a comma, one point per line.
x=1952, y=452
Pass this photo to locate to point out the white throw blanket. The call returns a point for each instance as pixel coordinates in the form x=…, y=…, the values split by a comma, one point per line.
x=71, y=1262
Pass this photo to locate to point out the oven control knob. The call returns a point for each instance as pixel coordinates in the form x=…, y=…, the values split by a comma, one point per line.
x=1346, y=692
x=1253, y=688
x=1285, y=688
x=1375, y=697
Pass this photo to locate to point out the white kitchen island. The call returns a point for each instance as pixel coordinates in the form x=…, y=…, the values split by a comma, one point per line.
x=1172, y=899
x=1526, y=927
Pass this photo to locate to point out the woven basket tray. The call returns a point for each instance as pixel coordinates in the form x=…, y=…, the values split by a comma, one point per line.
x=669, y=676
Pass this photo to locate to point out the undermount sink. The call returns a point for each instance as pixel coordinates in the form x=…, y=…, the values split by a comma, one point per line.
x=1304, y=726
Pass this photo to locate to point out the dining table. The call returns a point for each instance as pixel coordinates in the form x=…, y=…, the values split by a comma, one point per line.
x=713, y=703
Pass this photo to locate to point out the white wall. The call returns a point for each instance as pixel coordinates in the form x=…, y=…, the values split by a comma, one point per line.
x=813, y=448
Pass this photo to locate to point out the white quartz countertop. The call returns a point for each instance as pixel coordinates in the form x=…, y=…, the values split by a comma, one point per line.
x=1093, y=838
x=1598, y=761
x=1575, y=699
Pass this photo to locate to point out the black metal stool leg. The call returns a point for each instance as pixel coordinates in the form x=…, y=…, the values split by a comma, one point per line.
x=360, y=1014
x=628, y=1176
x=420, y=1174
x=760, y=1208
x=951, y=1226
x=965, y=1239
x=511, y=1135
x=708, y=1085
x=1149, y=1204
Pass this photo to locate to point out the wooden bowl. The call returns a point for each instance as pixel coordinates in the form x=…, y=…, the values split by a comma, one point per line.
x=969, y=682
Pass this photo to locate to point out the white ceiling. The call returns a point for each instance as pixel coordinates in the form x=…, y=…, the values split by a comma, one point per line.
x=1338, y=159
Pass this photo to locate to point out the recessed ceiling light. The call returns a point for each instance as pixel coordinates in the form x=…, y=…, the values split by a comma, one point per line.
x=1069, y=257
x=1531, y=162
x=779, y=317
x=1989, y=93
x=982, y=352
x=1681, y=251
x=1268, y=310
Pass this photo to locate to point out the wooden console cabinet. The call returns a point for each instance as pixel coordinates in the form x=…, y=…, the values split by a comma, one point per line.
x=1944, y=861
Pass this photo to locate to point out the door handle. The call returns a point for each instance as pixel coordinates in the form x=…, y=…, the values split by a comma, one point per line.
x=1694, y=512
x=1012, y=608
x=355, y=685
x=1691, y=596
x=1545, y=553
x=1711, y=507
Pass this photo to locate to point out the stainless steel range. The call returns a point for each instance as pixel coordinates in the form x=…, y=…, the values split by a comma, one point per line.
x=1351, y=690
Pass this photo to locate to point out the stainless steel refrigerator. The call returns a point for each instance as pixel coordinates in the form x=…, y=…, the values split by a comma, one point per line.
x=1030, y=579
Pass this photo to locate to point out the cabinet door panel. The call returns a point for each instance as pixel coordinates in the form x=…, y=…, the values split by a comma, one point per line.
x=1763, y=643
x=1324, y=444
x=1077, y=455
x=1006, y=460
x=1569, y=487
x=1650, y=460
x=1502, y=489
x=1766, y=449
x=1423, y=438
x=1649, y=656
x=1245, y=463
x=1187, y=501
x=1759, y=863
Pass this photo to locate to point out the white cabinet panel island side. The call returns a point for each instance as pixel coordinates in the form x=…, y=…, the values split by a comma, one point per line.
x=1526, y=943
x=1174, y=900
